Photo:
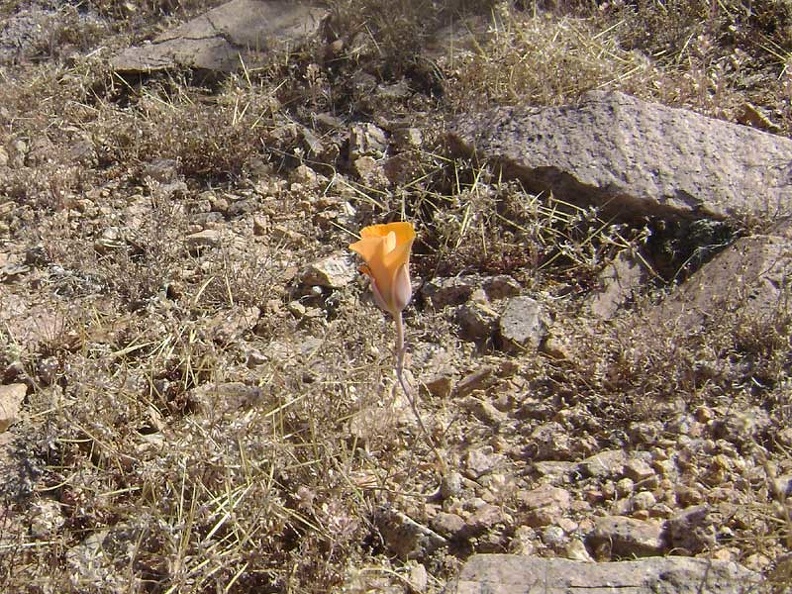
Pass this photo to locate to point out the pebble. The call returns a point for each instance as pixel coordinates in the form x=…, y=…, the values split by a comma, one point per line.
x=624, y=487
x=203, y=239
x=522, y=326
x=448, y=525
x=451, y=485
x=406, y=538
x=481, y=460
x=608, y=463
x=443, y=292
x=550, y=442
x=11, y=398
x=638, y=470
x=691, y=531
x=554, y=537
x=477, y=321
x=544, y=505
x=643, y=500
x=484, y=518
x=333, y=272
x=622, y=537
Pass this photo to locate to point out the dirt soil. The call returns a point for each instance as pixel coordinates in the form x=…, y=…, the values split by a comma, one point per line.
x=209, y=403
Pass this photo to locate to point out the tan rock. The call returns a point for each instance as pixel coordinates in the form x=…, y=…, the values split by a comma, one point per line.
x=236, y=33
x=544, y=505
x=622, y=537
x=634, y=158
x=11, y=398
x=518, y=574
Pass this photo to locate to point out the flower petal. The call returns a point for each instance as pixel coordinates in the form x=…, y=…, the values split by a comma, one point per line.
x=401, y=288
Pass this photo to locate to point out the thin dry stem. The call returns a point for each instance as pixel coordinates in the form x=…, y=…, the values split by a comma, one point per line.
x=401, y=349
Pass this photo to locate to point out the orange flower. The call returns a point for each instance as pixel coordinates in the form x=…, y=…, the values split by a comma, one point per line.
x=386, y=251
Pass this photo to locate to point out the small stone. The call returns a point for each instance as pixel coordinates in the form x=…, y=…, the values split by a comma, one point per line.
x=607, y=463
x=254, y=357
x=448, y=525
x=623, y=276
x=544, y=505
x=524, y=541
x=501, y=286
x=568, y=525
x=638, y=470
x=688, y=496
x=367, y=140
x=285, y=236
x=407, y=138
x=47, y=519
x=757, y=562
x=450, y=485
x=203, y=239
x=480, y=461
x=484, y=518
x=621, y=537
x=227, y=326
x=522, y=326
x=644, y=500
x=444, y=292
x=478, y=380
x=484, y=411
x=550, y=441
x=219, y=204
x=624, y=487
x=304, y=175
x=370, y=170
x=333, y=272
x=418, y=578
x=261, y=225
x=554, y=537
x=553, y=471
x=576, y=551
x=161, y=170
x=405, y=537
x=691, y=531
x=11, y=398
x=666, y=468
x=297, y=309
x=645, y=432
x=227, y=397
x=477, y=321
x=439, y=385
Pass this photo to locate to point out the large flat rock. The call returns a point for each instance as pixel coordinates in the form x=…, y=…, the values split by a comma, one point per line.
x=221, y=40
x=635, y=158
x=515, y=574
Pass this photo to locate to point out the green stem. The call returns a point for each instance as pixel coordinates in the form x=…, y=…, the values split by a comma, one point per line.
x=401, y=349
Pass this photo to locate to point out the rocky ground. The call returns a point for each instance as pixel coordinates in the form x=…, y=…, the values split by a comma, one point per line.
x=198, y=392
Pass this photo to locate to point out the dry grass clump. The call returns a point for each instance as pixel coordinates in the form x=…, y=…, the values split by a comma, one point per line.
x=709, y=57
x=477, y=223
x=541, y=59
x=164, y=460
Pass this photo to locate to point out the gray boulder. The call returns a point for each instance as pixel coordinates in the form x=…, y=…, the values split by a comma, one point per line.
x=240, y=31
x=634, y=158
x=517, y=574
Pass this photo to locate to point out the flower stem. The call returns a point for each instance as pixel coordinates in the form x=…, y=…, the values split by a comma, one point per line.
x=401, y=349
